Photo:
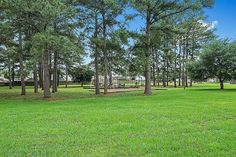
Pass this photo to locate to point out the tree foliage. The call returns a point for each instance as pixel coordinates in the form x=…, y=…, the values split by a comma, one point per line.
x=217, y=60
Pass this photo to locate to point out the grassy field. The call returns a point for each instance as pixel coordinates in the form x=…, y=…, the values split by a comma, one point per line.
x=200, y=121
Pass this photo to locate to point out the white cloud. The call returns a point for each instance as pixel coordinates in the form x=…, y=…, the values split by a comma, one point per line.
x=210, y=25
x=214, y=24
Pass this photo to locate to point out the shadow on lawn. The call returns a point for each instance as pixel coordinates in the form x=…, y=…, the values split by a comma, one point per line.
x=215, y=89
x=60, y=96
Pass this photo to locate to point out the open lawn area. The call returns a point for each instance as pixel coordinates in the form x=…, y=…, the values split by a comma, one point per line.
x=199, y=121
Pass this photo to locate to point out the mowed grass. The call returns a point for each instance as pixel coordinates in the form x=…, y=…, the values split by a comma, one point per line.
x=200, y=121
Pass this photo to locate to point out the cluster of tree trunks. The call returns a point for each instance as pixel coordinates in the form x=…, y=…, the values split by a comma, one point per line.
x=172, y=70
x=42, y=72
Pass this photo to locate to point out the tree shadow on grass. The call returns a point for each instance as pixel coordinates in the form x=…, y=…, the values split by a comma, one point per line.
x=215, y=89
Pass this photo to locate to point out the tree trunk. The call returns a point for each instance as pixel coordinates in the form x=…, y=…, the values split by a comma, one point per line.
x=46, y=77
x=105, y=73
x=183, y=68
x=186, y=78
x=186, y=72
x=9, y=72
x=148, y=52
x=221, y=84
x=191, y=83
x=167, y=74
x=164, y=79
x=192, y=58
x=110, y=79
x=157, y=70
x=175, y=84
x=154, y=76
x=22, y=76
x=153, y=71
x=148, y=80
x=66, y=77
x=35, y=80
x=105, y=53
x=50, y=69
x=40, y=75
x=164, y=73
x=96, y=72
x=175, y=65
x=13, y=75
x=97, y=91
x=58, y=79
x=54, y=82
x=180, y=67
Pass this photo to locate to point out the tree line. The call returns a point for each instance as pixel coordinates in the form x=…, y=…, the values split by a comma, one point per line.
x=43, y=36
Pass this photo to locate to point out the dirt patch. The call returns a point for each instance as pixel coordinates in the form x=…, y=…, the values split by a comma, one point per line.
x=52, y=99
x=160, y=89
x=120, y=90
x=108, y=94
x=141, y=95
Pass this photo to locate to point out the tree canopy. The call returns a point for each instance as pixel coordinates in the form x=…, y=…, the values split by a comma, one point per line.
x=43, y=39
x=217, y=60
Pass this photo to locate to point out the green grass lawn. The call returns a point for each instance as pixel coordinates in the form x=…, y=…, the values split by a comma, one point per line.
x=200, y=121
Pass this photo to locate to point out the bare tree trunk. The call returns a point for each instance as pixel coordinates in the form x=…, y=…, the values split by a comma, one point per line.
x=54, y=82
x=191, y=83
x=50, y=69
x=183, y=76
x=153, y=71
x=96, y=72
x=183, y=67
x=9, y=72
x=192, y=58
x=148, y=90
x=164, y=79
x=97, y=91
x=35, y=80
x=40, y=67
x=46, y=80
x=157, y=69
x=58, y=79
x=180, y=63
x=153, y=76
x=180, y=66
x=22, y=76
x=221, y=84
x=175, y=84
x=105, y=74
x=167, y=73
x=186, y=72
x=175, y=67
x=148, y=80
x=66, y=77
x=164, y=73
x=110, y=79
x=105, y=54
x=13, y=75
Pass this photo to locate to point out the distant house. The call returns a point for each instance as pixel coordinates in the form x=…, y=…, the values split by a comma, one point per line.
x=212, y=80
x=233, y=82
x=119, y=80
x=3, y=81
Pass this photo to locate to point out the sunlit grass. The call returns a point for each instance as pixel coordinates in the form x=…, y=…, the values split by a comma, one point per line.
x=199, y=121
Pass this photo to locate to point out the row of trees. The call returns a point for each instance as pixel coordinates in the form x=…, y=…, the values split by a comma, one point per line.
x=43, y=36
x=39, y=37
